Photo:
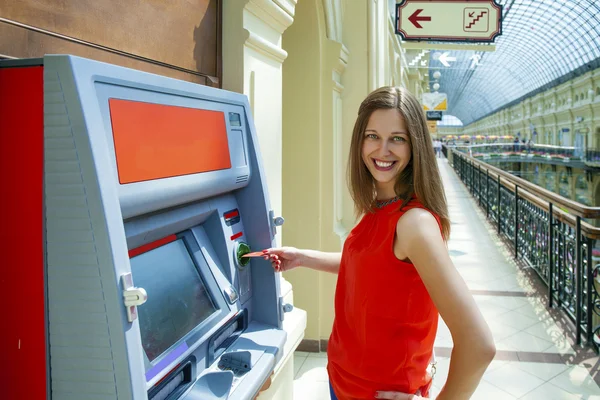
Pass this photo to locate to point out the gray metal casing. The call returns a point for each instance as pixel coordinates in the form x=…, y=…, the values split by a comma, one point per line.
x=92, y=222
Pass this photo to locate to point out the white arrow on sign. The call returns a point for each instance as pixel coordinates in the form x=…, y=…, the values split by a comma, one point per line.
x=445, y=59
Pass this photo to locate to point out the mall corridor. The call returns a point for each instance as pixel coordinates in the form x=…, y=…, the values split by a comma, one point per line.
x=535, y=360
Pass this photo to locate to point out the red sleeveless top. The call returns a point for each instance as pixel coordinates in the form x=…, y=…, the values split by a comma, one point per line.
x=385, y=321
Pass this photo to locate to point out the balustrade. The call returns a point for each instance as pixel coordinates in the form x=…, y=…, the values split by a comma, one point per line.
x=545, y=230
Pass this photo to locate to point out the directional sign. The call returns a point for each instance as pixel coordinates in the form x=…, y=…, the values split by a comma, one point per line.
x=449, y=20
x=434, y=115
x=435, y=101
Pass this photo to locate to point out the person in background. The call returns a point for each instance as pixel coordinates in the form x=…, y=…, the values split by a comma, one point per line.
x=438, y=148
x=516, y=145
x=394, y=272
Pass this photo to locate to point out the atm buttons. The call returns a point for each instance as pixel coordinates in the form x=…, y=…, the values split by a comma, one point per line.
x=231, y=294
x=231, y=217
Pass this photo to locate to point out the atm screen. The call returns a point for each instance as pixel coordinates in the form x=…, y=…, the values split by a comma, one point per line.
x=178, y=300
x=155, y=141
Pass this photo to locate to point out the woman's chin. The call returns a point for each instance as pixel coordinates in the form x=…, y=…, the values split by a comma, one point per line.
x=385, y=178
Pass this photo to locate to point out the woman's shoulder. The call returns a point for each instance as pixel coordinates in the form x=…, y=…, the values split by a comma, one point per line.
x=418, y=222
x=417, y=216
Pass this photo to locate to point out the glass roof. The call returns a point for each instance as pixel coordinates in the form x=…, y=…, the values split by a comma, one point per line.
x=541, y=41
x=449, y=120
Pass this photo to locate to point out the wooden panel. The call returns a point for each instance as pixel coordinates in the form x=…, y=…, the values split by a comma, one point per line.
x=182, y=33
x=22, y=43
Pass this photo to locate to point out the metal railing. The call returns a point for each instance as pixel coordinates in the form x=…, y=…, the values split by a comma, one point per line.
x=592, y=156
x=523, y=149
x=547, y=232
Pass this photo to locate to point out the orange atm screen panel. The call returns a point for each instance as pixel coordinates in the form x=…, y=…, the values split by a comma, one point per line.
x=154, y=141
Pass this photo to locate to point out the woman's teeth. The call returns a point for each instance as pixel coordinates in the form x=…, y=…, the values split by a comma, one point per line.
x=383, y=164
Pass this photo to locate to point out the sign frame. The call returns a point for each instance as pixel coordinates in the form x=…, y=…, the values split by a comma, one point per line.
x=418, y=18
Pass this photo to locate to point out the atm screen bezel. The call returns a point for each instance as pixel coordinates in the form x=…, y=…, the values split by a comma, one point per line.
x=156, y=369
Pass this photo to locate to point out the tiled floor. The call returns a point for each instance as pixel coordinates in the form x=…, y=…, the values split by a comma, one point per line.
x=535, y=359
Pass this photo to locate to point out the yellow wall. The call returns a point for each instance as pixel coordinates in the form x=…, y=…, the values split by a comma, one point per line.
x=301, y=161
x=306, y=65
x=356, y=88
x=550, y=112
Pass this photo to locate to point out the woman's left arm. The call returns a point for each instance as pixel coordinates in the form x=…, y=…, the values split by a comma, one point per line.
x=420, y=240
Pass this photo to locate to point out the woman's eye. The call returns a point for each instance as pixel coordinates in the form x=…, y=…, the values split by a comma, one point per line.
x=372, y=136
x=399, y=139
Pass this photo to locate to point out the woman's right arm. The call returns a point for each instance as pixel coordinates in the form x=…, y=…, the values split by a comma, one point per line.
x=287, y=258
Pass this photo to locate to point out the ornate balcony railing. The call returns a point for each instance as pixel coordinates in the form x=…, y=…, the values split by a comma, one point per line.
x=547, y=231
x=529, y=152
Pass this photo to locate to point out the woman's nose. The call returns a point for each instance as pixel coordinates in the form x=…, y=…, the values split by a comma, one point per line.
x=384, y=149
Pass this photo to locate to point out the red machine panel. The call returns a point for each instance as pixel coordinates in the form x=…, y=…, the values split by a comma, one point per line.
x=21, y=236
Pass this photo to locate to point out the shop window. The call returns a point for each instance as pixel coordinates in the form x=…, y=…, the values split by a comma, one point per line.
x=550, y=180
x=563, y=189
x=581, y=189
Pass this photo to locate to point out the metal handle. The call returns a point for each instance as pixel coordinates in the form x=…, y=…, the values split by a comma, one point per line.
x=132, y=296
x=275, y=222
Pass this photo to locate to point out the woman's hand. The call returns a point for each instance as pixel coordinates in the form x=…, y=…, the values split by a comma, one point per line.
x=284, y=258
x=398, y=396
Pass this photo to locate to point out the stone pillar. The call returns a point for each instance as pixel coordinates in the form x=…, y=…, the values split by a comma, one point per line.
x=252, y=64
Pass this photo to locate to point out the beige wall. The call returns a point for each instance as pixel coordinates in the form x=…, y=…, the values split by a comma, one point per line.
x=301, y=166
x=306, y=66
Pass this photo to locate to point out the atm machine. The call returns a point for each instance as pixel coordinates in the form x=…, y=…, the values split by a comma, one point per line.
x=130, y=202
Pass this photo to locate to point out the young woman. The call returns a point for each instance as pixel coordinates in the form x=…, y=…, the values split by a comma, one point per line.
x=395, y=274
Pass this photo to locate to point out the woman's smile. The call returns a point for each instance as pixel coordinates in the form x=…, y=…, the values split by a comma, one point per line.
x=381, y=165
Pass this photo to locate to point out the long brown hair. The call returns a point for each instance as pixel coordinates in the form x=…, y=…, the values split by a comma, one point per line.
x=420, y=177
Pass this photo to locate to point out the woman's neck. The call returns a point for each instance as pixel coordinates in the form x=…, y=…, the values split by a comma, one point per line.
x=385, y=192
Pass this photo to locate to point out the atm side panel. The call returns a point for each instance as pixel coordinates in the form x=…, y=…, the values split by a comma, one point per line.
x=88, y=357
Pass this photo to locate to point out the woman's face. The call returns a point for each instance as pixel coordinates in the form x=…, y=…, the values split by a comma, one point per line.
x=386, y=149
